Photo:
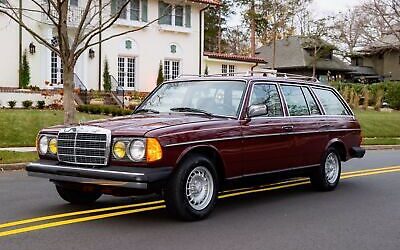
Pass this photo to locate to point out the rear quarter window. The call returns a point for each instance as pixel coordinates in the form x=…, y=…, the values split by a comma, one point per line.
x=330, y=101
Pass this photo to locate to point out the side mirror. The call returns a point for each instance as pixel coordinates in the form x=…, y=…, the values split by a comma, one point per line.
x=256, y=110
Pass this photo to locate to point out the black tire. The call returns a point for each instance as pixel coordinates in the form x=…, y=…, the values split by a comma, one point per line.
x=76, y=196
x=319, y=177
x=177, y=202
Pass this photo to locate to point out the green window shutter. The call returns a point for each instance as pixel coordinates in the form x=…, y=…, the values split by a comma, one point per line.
x=144, y=7
x=188, y=16
x=113, y=7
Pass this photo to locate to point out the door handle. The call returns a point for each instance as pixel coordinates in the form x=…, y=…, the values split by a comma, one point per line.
x=326, y=126
x=288, y=128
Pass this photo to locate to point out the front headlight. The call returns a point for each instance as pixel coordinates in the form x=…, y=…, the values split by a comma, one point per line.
x=53, y=146
x=43, y=145
x=119, y=150
x=137, y=150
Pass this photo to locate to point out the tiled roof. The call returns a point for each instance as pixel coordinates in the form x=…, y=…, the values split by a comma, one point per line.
x=214, y=2
x=234, y=57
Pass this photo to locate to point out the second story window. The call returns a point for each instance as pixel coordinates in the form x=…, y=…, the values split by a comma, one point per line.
x=135, y=10
x=72, y=3
x=174, y=14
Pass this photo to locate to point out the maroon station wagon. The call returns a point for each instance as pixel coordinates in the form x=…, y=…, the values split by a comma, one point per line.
x=191, y=136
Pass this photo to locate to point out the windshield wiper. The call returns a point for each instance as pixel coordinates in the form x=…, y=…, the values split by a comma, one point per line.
x=147, y=111
x=192, y=110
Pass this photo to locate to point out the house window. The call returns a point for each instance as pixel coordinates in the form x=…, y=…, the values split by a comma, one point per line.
x=224, y=69
x=126, y=72
x=135, y=10
x=71, y=3
x=171, y=69
x=174, y=14
x=231, y=70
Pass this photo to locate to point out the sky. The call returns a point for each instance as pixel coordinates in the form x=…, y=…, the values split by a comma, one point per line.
x=321, y=8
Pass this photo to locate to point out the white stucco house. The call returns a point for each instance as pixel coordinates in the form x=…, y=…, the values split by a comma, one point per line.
x=175, y=41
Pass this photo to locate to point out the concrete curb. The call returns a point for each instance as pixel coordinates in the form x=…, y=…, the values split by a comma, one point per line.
x=12, y=166
x=381, y=147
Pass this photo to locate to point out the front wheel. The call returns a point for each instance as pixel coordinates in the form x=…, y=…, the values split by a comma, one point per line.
x=76, y=196
x=326, y=177
x=192, y=190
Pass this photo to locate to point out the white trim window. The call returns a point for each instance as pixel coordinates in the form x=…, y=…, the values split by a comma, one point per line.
x=174, y=14
x=228, y=69
x=126, y=72
x=136, y=10
x=231, y=70
x=224, y=69
x=171, y=69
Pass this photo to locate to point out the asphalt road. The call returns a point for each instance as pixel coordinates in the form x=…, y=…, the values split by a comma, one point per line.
x=363, y=213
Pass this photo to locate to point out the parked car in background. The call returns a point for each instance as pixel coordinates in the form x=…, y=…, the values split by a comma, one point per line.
x=192, y=135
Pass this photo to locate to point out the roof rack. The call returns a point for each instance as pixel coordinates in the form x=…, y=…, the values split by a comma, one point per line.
x=262, y=73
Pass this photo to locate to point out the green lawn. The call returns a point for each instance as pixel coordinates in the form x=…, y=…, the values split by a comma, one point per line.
x=19, y=127
x=380, y=128
x=7, y=157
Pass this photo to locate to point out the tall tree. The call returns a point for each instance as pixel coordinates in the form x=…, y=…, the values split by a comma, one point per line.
x=314, y=35
x=250, y=15
x=276, y=21
x=75, y=33
x=215, y=24
x=237, y=40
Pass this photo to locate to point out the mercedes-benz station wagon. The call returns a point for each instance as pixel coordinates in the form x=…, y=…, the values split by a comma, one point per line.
x=191, y=136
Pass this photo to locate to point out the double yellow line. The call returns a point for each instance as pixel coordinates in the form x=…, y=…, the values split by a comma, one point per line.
x=109, y=212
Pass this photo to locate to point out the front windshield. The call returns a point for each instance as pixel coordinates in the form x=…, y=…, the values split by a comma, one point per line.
x=214, y=97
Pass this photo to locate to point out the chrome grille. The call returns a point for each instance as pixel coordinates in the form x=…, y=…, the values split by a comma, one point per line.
x=78, y=146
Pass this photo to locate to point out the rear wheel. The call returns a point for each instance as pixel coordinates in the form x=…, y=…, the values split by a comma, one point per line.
x=326, y=177
x=76, y=196
x=192, y=190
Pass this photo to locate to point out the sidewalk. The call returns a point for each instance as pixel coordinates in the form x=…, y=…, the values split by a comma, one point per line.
x=19, y=149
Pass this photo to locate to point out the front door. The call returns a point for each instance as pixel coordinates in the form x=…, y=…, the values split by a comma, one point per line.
x=56, y=77
x=267, y=141
x=126, y=72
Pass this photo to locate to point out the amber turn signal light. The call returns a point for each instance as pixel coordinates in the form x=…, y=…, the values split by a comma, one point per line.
x=153, y=150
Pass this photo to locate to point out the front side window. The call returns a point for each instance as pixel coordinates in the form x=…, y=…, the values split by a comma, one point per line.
x=267, y=95
x=330, y=102
x=215, y=97
x=295, y=101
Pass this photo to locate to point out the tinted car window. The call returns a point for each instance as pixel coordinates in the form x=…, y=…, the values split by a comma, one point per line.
x=312, y=104
x=296, y=103
x=331, y=103
x=267, y=94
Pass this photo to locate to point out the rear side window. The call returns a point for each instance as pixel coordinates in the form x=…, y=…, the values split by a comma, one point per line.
x=267, y=94
x=331, y=103
x=312, y=104
x=295, y=101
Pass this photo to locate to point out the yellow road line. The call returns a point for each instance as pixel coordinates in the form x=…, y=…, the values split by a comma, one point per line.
x=108, y=215
x=77, y=220
x=57, y=216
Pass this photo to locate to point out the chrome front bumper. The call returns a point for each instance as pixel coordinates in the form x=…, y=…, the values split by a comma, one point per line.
x=127, y=177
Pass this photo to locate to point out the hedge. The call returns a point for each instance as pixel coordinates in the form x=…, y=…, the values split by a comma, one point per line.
x=103, y=109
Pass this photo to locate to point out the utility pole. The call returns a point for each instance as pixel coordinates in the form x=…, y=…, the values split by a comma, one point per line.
x=100, y=37
x=20, y=43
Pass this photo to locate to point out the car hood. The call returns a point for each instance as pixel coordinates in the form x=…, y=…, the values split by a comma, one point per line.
x=139, y=125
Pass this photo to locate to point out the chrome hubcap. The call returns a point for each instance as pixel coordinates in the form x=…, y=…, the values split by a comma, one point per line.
x=332, y=168
x=199, y=188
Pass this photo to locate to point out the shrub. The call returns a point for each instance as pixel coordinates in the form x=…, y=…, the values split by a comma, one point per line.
x=25, y=74
x=27, y=104
x=12, y=104
x=106, y=77
x=393, y=96
x=365, y=98
x=378, y=99
x=160, y=77
x=40, y=104
x=103, y=109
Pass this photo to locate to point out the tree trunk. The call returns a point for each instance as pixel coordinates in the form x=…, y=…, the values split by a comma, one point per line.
x=274, y=50
x=252, y=29
x=315, y=63
x=68, y=98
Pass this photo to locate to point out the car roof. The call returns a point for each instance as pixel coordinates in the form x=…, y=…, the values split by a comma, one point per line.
x=255, y=78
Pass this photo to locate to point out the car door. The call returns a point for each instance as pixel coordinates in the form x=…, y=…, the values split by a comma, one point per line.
x=267, y=141
x=306, y=118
